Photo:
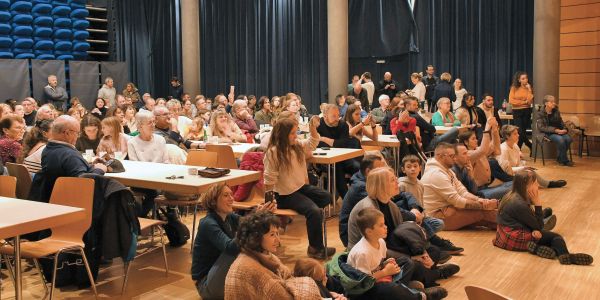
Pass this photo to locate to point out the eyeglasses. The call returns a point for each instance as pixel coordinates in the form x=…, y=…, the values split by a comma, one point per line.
x=450, y=155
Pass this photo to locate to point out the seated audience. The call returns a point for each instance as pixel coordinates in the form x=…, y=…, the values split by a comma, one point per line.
x=91, y=134
x=223, y=126
x=148, y=147
x=183, y=122
x=411, y=167
x=391, y=111
x=5, y=110
x=205, y=114
x=428, y=137
x=276, y=104
x=510, y=157
x=369, y=256
x=468, y=113
x=214, y=247
x=197, y=130
x=487, y=110
x=30, y=110
x=419, y=90
x=459, y=91
x=61, y=159
x=34, y=144
x=257, y=273
x=19, y=111
x=161, y=102
x=132, y=93
x=243, y=119
x=291, y=105
x=12, y=129
x=251, y=105
x=286, y=179
x=113, y=140
x=550, y=124
x=446, y=198
x=252, y=160
x=186, y=109
x=99, y=110
x=166, y=125
x=149, y=104
x=309, y=267
x=520, y=228
x=358, y=128
x=200, y=104
x=45, y=112
x=340, y=101
x=444, y=117
x=360, y=94
x=379, y=112
x=129, y=120
x=264, y=114
x=119, y=113
x=335, y=133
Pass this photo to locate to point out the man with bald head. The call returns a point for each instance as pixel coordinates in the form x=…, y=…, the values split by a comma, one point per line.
x=387, y=86
x=55, y=94
x=60, y=158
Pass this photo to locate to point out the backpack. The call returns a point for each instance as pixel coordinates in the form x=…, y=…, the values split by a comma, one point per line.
x=176, y=231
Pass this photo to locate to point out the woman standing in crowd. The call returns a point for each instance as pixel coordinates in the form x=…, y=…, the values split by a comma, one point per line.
x=418, y=91
x=113, y=139
x=257, y=273
x=443, y=89
x=222, y=126
x=520, y=228
x=521, y=99
x=287, y=181
x=214, y=246
x=91, y=133
x=550, y=123
x=459, y=91
x=33, y=144
x=12, y=129
x=264, y=114
x=99, y=110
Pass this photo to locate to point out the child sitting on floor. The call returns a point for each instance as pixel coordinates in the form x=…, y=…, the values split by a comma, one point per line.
x=309, y=267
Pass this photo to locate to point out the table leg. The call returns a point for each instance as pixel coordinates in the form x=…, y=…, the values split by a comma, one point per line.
x=18, y=287
x=325, y=232
x=333, y=195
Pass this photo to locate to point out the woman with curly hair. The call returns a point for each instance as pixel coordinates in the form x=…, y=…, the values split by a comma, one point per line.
x=214, y=246
x=257, y=273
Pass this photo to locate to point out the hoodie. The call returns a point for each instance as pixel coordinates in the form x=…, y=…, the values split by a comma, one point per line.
x=415, y=188
x=108, y=94
x=442, y=188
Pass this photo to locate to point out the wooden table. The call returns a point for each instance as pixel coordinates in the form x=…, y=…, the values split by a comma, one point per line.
x=18, y=217
x=507, y=117
x=443, y=129
x=386, y=140
x=153, y=176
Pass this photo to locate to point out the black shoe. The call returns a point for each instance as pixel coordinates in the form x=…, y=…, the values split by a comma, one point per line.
x=416, y=285
x=550, y=223
x=444, y=257
x=445, y=245
x=541, y=251
x=436, y=293
x=447, y=270
x=557, y=183
x=567, y=164
x=546, y=212
x=320, y=253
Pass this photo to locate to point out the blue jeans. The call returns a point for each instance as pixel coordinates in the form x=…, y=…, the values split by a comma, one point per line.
x=212, y=286
x=432, y=226
x=496, y=192
x=563, y=142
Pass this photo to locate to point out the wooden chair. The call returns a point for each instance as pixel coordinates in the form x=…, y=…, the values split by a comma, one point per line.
x=145, y=226
x=68, y=191
x=23, y=179
x=194, y=158
x=481, y=293
x=8, y=186
x=226, y=157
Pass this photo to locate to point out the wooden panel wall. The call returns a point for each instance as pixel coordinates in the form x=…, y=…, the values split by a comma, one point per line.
x=580, y=61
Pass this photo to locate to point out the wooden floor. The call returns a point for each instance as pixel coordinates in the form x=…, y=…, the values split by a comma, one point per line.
x=516, y=275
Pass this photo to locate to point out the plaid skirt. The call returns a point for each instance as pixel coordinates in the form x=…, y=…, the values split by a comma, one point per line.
x=512, y=238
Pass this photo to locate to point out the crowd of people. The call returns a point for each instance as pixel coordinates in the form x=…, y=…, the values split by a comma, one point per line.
x=474, y=174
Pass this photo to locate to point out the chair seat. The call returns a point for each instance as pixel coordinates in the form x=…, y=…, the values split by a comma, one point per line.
x=286, y=212
x=175, y=202
x=42, y=248
x=592, y=132
x=149, y=223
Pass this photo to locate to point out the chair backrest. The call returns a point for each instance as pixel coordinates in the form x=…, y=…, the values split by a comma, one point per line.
x=573, y=118
x=8, y=186
x=481, y=293
x=225, y=156
x=202, y=158
x=75, y=192
x=23, y=179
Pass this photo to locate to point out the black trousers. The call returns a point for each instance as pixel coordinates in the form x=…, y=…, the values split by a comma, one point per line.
x=342, y=168
x=308, y=201
x=554, y=241
x=397, y=290
x=522, y=119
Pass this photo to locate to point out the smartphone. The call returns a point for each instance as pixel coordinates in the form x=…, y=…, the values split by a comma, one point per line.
x=269, y=196
x=325, y=148
x=232, y=89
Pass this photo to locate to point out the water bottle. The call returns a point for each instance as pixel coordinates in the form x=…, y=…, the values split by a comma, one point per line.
x=426, y=106
x=504, y=105
x=205, y=134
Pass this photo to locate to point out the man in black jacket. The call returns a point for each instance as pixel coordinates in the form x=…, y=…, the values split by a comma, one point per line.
x=176, y=89
x=428, y=136
x=487, y=110
x=430, y=81
x=60, y=158
x=386, y=86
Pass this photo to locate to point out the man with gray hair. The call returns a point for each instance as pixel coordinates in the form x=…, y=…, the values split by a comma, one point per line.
x=60, y=158
x=108, y=92
x=243, y=118
x=55, y=94
x=167, y=126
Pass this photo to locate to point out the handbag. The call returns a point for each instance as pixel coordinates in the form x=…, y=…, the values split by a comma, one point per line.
x=213, y=172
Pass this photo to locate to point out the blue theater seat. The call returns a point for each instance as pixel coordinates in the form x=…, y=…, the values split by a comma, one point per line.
x=5, y=41
x=4, y=4
x=60, y=33
x=21, y=51
x=23, y=30
x=43, y=21
x=22, y=42
x=42, y=9
x=25, y=55
x=22, y=6
x=81, y=35
x=62, y=11
x=81, y=24
x=6, y=53
x=62, y=22
x=42, y=32
x=60, y=2
x=5, y=16
x=81, y=46
x=5, y=28
x=79, y=13
x=80, y=55
x=45, y=56
x=44, y=45
x=62, y=45
x=22, y=19
x=65, y=57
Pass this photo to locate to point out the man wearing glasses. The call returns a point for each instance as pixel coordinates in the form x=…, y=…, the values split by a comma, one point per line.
x=446, y=198
x=61, y=159
x=167, y=127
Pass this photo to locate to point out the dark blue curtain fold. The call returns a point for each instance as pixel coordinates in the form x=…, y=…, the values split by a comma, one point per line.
x=264, y=47
x=483, y=42
x=147, y=35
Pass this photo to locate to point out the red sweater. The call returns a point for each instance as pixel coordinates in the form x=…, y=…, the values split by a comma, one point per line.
x=251, y=161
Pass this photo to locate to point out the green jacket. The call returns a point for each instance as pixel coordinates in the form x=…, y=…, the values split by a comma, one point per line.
x=354, y=281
